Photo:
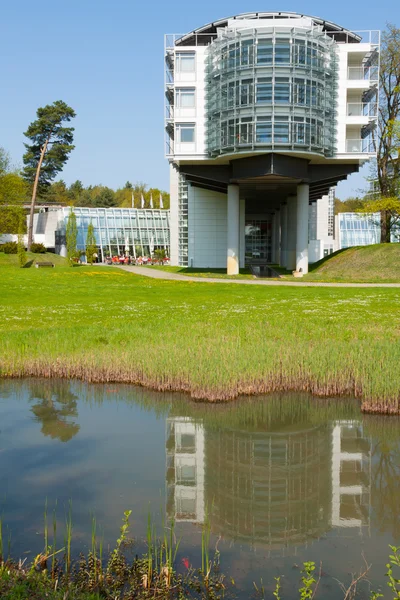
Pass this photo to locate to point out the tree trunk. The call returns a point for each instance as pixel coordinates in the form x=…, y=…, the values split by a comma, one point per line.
x=385, y=227
x=34, y=192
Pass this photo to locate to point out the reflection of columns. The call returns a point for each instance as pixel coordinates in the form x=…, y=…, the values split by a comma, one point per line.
x=233, y=230
x=283, y=219
x=291, y=233
x=242, y=232
x=302, y=228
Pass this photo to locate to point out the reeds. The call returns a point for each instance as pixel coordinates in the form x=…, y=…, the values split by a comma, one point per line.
x=215, y=342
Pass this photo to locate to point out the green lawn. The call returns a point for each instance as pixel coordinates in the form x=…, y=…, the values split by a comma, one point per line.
x=196, y=272
x=215, y=341
x=11, y=260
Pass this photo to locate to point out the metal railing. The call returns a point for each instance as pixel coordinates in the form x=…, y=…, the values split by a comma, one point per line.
x=363, y=73
x=362, y=109
x=360, y=146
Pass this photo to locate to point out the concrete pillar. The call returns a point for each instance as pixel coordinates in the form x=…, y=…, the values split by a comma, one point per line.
x=242, y=232
x=291, y=233
x=283, y=220
x=233, y=230
x=303, y=195
x=277, y=238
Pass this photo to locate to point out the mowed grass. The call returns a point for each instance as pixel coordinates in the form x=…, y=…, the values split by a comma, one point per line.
x=11, y=260
x=215, y=341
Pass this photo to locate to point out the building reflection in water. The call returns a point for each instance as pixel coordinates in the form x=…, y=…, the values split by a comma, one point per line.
x=281, y=489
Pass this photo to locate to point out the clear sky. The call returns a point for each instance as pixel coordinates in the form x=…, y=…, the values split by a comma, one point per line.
x=105, y=59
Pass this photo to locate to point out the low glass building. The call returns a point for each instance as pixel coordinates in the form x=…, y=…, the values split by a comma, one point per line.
x=138, y=232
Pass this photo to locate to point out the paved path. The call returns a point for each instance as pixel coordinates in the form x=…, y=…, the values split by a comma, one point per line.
x=158, y=274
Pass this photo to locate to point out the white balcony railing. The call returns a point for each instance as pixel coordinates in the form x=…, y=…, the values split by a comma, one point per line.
x=362, y=73
x=365, y=146
x=362, y=109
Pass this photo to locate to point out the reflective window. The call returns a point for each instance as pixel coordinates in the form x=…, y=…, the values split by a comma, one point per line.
x=282, y=90
x=264, y=52
x=185, y=97
x=264, y=90
x=185, y=133
x=282, y=52
x=247, y=53
x=264, y=130
x=185, y=62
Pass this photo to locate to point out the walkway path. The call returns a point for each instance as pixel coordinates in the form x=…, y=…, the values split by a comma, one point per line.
x=158, y=274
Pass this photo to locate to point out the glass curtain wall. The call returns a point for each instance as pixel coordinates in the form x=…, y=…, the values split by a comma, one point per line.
x=138, y=232
x=272, y=88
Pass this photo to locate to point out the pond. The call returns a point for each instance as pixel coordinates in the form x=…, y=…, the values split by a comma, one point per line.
x=283, y=479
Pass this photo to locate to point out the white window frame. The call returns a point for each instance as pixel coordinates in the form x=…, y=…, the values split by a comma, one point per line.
x=178, y=129
x=179, y=54
x=178, y=95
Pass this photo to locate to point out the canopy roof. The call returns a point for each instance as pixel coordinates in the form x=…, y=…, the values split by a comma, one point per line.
x=205, y=34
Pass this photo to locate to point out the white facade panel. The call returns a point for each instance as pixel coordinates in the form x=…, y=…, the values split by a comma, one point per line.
x=207, y=228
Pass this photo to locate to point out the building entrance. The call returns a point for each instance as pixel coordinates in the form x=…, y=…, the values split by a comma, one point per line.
x=258, y=242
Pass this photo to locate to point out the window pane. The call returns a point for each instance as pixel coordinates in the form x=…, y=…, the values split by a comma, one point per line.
x=186, y=62
x=264, y=52
x=186, y=133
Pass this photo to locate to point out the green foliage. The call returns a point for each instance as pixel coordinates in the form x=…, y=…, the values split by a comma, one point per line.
x=9, y=248
x=38, y=248
x=308, y=580
x=278, y=586
x=394, y=582
x=48, y=128
x=10, y=218
x=160, y=254
x=13, y=189
x=389, y=206
x=21, y=245
x=71, y=238
x=91, y=244
x=348, y=205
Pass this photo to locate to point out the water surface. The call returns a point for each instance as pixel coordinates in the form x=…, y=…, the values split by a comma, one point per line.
x=284, y=478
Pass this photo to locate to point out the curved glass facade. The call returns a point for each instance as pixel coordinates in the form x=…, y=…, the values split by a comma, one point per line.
x=272, y=88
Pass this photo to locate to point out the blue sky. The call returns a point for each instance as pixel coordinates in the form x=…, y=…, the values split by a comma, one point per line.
x=105, y=59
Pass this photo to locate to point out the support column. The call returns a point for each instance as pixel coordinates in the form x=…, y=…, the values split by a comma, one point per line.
x=303, y=195
x=242, y=232
x=277, y=238
x=291, y=233
x=233, y=230
x=283, y=246
x=273, y=237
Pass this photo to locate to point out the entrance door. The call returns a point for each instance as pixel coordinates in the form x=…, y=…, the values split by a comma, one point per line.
x=258, y=241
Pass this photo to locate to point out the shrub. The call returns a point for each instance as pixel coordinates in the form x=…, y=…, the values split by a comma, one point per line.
x=38, y=248
x=9, y=248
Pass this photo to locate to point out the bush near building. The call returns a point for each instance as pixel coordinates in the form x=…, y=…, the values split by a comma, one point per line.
x=9, y=248
x=38, y=248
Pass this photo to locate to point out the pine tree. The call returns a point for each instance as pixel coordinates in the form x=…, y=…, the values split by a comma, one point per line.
x=71, y=235
x=91, y=244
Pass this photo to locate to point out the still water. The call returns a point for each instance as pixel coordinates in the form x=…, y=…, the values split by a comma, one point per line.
x=284, y=478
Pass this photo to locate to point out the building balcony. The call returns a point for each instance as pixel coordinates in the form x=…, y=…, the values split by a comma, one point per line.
x=364, y=146
x=362, y=73
x=362, y=109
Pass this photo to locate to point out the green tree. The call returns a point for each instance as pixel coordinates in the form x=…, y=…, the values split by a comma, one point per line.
x=390, y=207
x=348, y=205
x=71, y=235
x=10, y=218
x=55, y=409
x=387, y=139
x=13, y=189
x=21, y=244
x=75, y=191
x=91, y=244
x=46, y=155
x=57, y=193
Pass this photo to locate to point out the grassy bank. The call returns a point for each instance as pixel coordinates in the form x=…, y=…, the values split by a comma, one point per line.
x=214, y=341
x=379, y=263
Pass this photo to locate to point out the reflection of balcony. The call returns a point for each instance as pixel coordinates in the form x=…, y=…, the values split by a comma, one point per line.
x=365, y=146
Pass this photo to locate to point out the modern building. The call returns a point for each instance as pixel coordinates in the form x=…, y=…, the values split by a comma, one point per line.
x=265, y=112
x=117, y=230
